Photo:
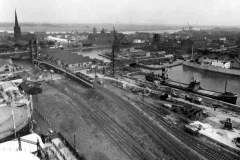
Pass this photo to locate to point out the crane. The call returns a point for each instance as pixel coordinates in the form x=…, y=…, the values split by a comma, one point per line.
x=190, y=27
x=115, y=46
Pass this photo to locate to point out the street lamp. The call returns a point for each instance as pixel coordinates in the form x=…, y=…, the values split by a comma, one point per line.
x=51, y=71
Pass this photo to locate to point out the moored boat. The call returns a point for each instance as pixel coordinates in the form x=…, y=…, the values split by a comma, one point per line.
x=193, y=87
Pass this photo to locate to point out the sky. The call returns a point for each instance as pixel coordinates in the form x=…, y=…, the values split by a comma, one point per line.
x=176, y=12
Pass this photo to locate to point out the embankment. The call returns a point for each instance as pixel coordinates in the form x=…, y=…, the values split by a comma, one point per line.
x=213, y=69
x=159, y=67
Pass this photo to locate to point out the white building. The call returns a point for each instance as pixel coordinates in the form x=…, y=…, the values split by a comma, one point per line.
x=221, y=64
x=217, y=63
x=61, y=40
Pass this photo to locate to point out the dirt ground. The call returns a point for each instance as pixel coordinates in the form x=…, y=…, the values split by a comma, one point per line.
x=61, y=110
x=214, y=118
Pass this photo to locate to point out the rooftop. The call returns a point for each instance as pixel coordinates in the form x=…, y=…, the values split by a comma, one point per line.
x=6, y=86
x=71, y=58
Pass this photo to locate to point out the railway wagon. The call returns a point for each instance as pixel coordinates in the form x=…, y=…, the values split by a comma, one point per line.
x=85, y=77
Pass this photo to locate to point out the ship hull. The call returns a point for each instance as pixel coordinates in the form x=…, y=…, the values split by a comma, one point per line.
x=181, y=86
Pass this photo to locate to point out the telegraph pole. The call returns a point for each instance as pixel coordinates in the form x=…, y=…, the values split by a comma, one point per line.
x=14, y=126
x=74, y=136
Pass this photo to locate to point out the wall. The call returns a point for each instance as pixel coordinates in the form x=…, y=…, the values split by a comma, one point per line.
x=214, y=69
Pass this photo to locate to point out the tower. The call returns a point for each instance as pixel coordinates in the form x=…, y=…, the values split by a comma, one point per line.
x=156, y=38
x=17, y=29
x=33, y=46
x=94, y=30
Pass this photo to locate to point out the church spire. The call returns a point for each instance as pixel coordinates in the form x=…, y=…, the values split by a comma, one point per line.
x=17, y=29
x=16, y=20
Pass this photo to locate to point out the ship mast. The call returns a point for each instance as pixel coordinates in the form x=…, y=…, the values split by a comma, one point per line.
x=192, y=53
x=115, y=47
x=226, y=85
x=113, y=50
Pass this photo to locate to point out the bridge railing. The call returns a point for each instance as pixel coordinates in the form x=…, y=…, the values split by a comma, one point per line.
x=65, y=70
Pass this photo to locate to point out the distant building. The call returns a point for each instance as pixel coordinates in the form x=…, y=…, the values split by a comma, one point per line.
x=6, y=65
x=17, y=29
x=94, y=30
x=156, y=38
x=87, y=43
x=103, y=31
x=223, y=61
x=187, y=46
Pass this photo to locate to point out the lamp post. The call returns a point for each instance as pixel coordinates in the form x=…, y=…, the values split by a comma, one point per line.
x=192, y=53
x=51, y=71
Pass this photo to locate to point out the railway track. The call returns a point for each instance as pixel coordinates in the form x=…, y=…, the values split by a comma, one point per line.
x=116, y=132
x=157, y=131
x=195, y=144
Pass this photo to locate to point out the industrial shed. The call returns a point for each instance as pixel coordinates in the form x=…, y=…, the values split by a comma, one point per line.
x=30, y=88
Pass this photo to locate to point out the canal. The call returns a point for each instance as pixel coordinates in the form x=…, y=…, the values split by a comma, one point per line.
x=209, y=80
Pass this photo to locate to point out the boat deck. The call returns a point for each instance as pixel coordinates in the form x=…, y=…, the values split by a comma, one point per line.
x=208, y=92
x=178, y=84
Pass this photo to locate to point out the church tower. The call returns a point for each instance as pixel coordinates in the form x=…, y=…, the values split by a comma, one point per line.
x=17, y=29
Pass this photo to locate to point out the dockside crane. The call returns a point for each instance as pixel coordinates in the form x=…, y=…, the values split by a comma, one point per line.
x=115, y=48
x=190, y=27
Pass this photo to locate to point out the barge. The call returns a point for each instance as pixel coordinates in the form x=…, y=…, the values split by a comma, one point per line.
x=193, y=87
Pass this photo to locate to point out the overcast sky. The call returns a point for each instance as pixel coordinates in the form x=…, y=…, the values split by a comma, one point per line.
x=205, y=12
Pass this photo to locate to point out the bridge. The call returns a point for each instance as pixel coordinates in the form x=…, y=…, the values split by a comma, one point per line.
x=40, y=61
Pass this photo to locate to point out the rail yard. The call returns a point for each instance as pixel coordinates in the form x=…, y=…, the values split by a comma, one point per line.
x=132, y=126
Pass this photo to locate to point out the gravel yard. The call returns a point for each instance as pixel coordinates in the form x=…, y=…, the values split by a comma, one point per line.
x=61, y=110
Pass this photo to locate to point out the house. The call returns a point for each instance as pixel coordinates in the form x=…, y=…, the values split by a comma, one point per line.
x=7, y=46
x=104, y=38
x=87, y=43
x=6, y=65
x=234, y=62
x=32, y=75
x=21, y=45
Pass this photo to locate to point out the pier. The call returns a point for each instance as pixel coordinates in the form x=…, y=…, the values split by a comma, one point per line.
x=158, y=67
x=213, y=69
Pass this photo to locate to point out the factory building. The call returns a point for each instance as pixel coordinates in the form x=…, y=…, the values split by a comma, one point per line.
x=71, y=61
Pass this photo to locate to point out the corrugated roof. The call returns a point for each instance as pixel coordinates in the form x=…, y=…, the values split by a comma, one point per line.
x=71, y=58
x=7, y=61
x=22, y=43
x=9, y=44
x=8, y=86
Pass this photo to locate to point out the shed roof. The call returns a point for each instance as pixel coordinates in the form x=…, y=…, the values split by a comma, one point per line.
x=7, y=61
x=7, y=44
x=30, y=88
x=8, y=85
x=21, y=43
x=71, y=58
